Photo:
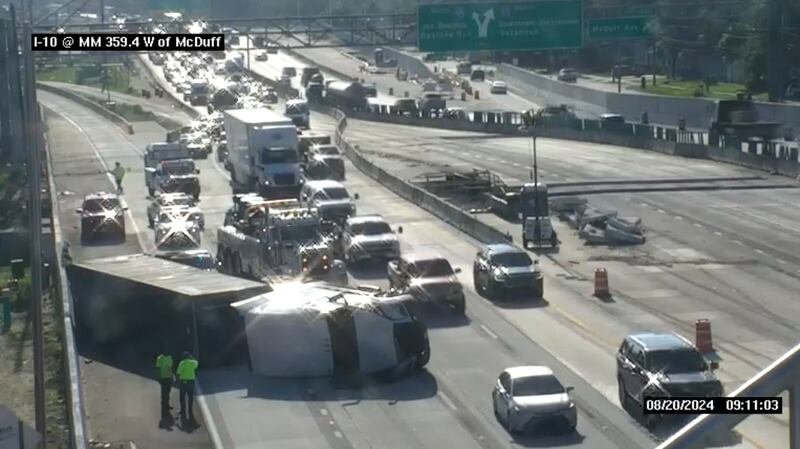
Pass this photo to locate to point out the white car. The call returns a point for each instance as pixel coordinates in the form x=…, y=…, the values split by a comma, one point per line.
x=165, y=200
x=261, y=56
x=369, y=237
x=499, y=87
x=177, y=227
x=531, y=399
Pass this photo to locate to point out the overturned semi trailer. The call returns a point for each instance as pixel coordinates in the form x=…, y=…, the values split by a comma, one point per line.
x=317, y=330
x=139, y=302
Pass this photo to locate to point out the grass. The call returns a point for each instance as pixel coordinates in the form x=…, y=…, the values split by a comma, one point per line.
x=12, y=202
x=119, y=78
x=676, y=88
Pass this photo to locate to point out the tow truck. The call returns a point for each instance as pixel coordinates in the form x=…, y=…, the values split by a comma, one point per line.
x=272, y=240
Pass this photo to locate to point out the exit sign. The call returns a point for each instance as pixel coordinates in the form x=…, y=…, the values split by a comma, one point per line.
x=620, y=28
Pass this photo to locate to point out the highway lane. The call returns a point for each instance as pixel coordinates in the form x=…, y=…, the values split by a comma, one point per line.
x=238, y=420
x=120, y=398
x=688, y=269
x=638, y=319
x=343, y=61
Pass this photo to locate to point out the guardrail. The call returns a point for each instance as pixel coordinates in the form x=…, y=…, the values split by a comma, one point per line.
x=447, y=212
x=75, y=408
x=778, y=158
x=94, y=106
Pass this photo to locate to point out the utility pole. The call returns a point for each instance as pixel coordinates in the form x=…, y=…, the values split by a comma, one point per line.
x=5, y=92
x=775, y=53
x=16, y=104
x=32, y=138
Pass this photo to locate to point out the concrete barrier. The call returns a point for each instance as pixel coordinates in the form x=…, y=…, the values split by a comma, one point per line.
x=184, y=106
x=79, y=438
x=93, y=105
x=595, y=135
x=698, y=112
x=439, y=207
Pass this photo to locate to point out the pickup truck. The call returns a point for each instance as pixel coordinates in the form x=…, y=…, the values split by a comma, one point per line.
x=173, y=176
x=428, y=277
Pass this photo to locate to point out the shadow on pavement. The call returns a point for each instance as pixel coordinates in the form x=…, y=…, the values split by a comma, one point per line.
x=436, y=315
x=552, y=440
x=517, y=300
x=368, y=270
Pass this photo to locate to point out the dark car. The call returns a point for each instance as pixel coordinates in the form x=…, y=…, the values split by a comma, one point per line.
x=477, y=75
x=502, y=267
x=271, y=97
x=428, y=277
x=102, y=216
x=198, y=258
x=662, y=365
x=406, y=106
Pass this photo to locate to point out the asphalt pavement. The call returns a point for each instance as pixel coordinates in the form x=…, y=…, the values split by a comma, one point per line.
x=727, y=256
x=452, y=395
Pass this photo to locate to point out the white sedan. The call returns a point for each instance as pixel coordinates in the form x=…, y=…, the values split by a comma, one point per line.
x=499, y=87
x=531, y=399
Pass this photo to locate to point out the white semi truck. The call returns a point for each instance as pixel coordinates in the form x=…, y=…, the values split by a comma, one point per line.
x=262, y=150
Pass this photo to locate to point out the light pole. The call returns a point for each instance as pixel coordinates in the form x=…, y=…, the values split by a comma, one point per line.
x=537, y=229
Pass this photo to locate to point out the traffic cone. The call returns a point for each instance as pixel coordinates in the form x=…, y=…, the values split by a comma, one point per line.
x=601, y=283
x=703, y=336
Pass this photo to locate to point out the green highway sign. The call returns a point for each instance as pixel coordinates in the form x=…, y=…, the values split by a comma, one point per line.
x=533, y=25
x=620, y=28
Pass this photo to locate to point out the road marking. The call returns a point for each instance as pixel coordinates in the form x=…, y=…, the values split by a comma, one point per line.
x=718, y=233
x=759, y=251
x=338, y=434
x=323, y=411
x=447, y=401
x=644, y=204
x=108, y=175
x=661, y=211
x=678, y=217
x=210, y=424
x=781, y=261
x=739, y=242
x=698, y=225
x=488, y=331
x=516, y=164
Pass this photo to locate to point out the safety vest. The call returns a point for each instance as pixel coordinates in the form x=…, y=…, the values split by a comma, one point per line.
x=164, y=366
x=187, y=369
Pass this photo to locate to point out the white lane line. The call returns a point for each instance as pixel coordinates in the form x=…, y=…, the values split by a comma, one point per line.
x=759, y=251
x=661, y=211
x=478, y=156
x=516, y=164
x=738, y=242
x=781, y=261
x=678, y=217
x=110, y=177
x=698, y=225
x=718, y=233
x=338, y=434
x=323, y=411
x=488, y=331
x=644, y=205
x=447, y=401
x=201, y=400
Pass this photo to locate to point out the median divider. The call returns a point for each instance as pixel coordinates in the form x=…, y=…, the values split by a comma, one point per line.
x=185, y=107
x=439, y=207
x=93, y=105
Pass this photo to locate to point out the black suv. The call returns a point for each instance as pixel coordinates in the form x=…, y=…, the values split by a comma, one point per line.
x=662, y=365
x=102, y=215
x=503, y=266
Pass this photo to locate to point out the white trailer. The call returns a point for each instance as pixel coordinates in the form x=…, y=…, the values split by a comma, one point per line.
x=262, y=150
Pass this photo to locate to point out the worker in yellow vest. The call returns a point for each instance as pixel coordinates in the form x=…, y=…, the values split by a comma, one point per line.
x=187, y=372
x=164, y=366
